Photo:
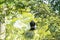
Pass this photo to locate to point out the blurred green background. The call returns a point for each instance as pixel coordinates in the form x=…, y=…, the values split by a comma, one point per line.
x=17, y=14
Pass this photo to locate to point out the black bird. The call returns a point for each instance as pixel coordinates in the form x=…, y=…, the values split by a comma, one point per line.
x=32, y=25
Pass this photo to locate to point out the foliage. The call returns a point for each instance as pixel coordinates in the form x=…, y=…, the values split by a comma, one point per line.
x=17, y=14
x=55, y=5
